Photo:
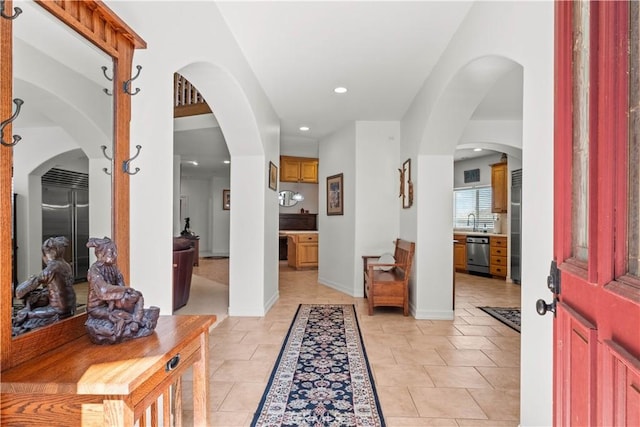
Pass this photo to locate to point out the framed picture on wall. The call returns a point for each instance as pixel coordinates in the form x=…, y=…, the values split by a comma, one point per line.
x=335, y=195
x=273, y=176
x=226, y=200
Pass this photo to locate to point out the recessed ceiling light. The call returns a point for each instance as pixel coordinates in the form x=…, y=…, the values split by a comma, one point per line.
x=477, y=149
x=340, y=89
x=226, y=162
x=190, y=162
x=304, y=128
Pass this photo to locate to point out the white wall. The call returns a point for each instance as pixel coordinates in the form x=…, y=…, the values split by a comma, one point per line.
x=220, y=218
x=178, y=224
x=336, y=241
x=494, y=34
x=198, y=193
x=206, y=53
x=483, y=163
x=367, y=154
x=376, y=193
x=431, y=291
x=497, y=135
x=298, y=146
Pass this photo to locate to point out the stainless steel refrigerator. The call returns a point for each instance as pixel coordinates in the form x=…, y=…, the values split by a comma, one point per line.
x=516, y=224
x=65, y=212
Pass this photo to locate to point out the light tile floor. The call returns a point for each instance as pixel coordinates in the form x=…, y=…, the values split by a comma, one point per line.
x=463, y=372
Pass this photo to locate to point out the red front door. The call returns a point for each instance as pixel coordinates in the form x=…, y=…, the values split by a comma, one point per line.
x=596, y=224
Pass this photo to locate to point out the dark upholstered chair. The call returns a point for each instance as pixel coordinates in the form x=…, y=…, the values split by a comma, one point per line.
x=183, y=253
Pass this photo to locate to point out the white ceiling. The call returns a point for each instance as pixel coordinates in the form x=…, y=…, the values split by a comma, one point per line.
x=382, y=52
x=199, y=139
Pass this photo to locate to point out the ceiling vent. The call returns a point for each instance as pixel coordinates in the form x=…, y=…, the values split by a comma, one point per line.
x=65, y=178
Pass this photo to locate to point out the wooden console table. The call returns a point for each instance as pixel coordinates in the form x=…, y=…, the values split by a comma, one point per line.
x=83, y=384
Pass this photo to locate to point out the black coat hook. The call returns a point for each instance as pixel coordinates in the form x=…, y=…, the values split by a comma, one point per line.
x=104, y=71
x=16, y=138
x=104, y=152
x=126, y=163
x=126, y=86
x=17, y=11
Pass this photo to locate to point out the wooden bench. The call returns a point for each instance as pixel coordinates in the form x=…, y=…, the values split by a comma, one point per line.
x=388, y=284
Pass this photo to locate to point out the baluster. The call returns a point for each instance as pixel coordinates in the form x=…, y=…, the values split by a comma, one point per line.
x=176, y=88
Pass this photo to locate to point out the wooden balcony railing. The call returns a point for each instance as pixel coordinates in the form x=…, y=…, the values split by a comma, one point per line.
x=187, y=101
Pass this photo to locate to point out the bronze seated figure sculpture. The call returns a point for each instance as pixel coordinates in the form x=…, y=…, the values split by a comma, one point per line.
x=49, y=296
x=115, y=311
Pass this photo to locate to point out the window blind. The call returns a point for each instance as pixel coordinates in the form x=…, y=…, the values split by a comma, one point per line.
x=476, y=201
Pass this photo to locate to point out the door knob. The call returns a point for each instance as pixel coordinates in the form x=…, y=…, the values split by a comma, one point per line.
x=542, y=307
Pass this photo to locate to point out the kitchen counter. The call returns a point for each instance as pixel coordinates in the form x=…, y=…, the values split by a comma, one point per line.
x=478, y=233
x=288, y=232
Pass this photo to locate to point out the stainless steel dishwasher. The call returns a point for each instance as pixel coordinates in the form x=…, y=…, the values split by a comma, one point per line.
x=478, y=254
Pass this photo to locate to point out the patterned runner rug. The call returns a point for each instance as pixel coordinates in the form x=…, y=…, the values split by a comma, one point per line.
x=507, y=315
x=322, y=376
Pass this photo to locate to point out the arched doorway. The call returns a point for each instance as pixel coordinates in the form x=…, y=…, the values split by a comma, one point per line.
x=248, y=231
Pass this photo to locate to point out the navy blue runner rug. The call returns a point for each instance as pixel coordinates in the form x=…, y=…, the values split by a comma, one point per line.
x=322, y=376
x=510, y=316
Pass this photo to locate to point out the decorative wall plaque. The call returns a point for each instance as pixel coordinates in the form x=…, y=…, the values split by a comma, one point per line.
x=472, y=175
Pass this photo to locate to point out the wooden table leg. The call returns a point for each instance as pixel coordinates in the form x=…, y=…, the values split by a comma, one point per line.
x=201, y=384
x=117, y=413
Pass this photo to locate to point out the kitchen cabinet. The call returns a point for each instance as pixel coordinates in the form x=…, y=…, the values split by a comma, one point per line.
x=298, y=169
x=498, y=256
x=460, y=252
x=302, y=250
x=499, y=188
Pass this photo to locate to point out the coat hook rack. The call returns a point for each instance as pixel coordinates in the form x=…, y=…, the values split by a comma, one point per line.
x=104, y=152
x=127, y=163
x=17, y=11
x=127, y=85
x=104, y=71
x=16, y=138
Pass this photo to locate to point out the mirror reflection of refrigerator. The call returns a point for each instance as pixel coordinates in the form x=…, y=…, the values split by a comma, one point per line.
x=516, y=224
x=65, y=212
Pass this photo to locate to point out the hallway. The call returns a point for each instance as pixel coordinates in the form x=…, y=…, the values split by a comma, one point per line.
x=464, y=372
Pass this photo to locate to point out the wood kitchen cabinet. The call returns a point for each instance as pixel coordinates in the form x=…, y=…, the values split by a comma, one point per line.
x=298, y=169
x=499, y=188
x=498, y=257
x=302, y=250
x=460, y=253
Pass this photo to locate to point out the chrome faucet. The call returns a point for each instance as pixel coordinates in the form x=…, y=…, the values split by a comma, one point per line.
x=474, y=221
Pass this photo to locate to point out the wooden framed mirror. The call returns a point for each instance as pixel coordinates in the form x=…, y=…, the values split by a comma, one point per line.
x=61, y=177
x=97, y=24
